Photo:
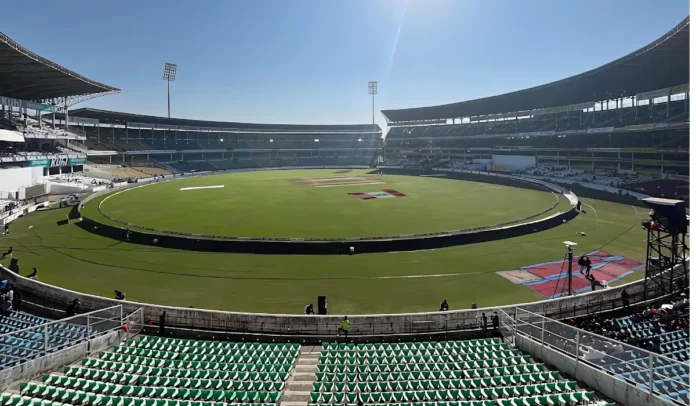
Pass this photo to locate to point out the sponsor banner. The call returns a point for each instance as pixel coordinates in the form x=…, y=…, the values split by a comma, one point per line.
x=639, y=127
x=604, y=149
x=600, y=130
x=151, y=151
x=187, y=151
x=59, y=160
x=82, y=120
x=40, y=162
x=499, y=168
x=646, y=150
x=77, y=161
x=101, y=153
x=40, y=107
x=8, y=101
x=671, y=125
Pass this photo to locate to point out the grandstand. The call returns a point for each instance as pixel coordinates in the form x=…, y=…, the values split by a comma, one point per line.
x=183, y=145
x=637, y=131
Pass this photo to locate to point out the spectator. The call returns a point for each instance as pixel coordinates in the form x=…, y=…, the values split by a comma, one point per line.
x=625, y=298
x=309, y=309
x=474, y=306
x=484, y=323
x=496, y=322
x=444, y=306
x=72, y=308
x=17, y=303
x=120, y=295
x=345, y=326
x=162, y=321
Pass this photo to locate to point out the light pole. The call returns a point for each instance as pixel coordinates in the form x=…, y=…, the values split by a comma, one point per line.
x=372, y=90
x=169, y=76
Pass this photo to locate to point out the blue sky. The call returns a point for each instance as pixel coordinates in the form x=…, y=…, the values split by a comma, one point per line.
x=307, y=61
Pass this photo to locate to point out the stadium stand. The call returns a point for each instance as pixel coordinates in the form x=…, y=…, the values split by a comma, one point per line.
x=662, y=329
x=154, y=370
x=182, y=145
x=638, y=132
x=20, y=343
x=462, y=373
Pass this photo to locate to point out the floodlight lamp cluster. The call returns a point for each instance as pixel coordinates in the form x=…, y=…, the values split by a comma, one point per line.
x=169, y=72
x=372, y=88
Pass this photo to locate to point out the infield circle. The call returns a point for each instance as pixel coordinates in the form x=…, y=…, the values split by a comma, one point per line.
x=94, y=221
x=323, y=205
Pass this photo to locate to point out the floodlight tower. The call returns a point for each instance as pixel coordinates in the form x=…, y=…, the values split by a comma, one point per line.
x=372, y=90
x=169, y=76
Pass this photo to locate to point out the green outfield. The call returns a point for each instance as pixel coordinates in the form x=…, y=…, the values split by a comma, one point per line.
x=71, y=257
x=316, y=203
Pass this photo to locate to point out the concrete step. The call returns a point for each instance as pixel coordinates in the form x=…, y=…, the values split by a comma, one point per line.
x=307, y=368
x=310, y=349
x=302, y=377
x=309, y=361
x=295, y=396
x=293, y=403
x=299, y=386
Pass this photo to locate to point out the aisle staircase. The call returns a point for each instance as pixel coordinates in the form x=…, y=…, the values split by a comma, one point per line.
x=299, y=385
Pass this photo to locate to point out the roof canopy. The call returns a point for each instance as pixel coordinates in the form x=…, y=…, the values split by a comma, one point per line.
x=114, y=117
x=661, y=64
x=27, y=76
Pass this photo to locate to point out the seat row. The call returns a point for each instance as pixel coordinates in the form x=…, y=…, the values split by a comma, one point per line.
x=151, y=340
x=173, y=356
x=7, y=399
x=452, y=366
x=399, y=396
x=559, y=399
x=138, y=371
x=79, y=397
x=130, y=361
x=373, y=360
x=408, y=346
x=428, y=375
x=181, y=349
x=458, y=384
x=438, y=377
x=155, y=381
x=391, y=352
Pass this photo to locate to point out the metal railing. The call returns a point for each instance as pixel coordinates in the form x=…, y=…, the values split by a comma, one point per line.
x=35, y=341
x=650, y=372
x=134, y=323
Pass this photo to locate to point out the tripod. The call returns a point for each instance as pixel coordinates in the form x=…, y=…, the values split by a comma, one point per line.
x=563, y=287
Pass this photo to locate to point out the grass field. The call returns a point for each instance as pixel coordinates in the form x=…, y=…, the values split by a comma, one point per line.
x=71, y=257
x=315, y=203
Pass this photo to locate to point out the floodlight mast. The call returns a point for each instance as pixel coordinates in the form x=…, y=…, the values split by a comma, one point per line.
x=372, y=90
x=169, y=76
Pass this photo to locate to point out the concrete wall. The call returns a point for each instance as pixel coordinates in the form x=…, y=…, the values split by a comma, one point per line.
x=51, y=362
x=319, y=326
x=13, y=178
x=615, y=389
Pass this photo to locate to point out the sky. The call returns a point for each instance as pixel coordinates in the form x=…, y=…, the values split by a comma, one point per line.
x=309, y=61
